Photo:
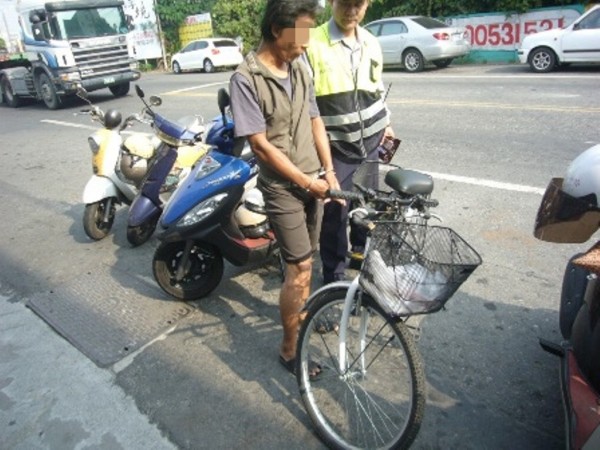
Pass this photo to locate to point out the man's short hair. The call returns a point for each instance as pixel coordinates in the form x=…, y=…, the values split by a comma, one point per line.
x=280, y=14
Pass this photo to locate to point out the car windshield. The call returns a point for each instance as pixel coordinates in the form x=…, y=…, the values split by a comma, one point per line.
x=91, y=22
x=429, y=23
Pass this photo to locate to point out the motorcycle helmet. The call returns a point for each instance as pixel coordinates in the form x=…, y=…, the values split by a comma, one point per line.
x=112, y=119
x=135, y=152
x=140, y=145
x=569, y=212
x=250, y=215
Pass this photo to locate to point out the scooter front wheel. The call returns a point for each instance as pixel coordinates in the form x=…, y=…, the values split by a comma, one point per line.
x=191, y=277
x=98, y=218
x=140, y=234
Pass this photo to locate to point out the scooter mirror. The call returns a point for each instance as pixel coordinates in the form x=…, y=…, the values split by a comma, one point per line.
x=223, y=99
x=138, y=91
x=155, y=100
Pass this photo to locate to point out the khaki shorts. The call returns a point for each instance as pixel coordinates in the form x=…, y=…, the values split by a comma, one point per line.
x=295, y=218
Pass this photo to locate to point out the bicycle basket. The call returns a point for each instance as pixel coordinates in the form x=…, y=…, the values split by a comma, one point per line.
x=371, y=174
x=415, y=269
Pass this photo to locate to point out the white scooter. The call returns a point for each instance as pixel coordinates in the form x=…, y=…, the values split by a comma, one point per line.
x=118, y=166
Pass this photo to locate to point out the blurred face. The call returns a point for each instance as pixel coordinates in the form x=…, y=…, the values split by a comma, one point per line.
x=348, y=14
x=292, y=42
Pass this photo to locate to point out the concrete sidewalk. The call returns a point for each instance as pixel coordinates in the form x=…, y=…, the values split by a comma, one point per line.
x=53, y=397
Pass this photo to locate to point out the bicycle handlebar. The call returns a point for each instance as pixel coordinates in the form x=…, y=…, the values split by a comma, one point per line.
x=370, y=194
x=345, y=195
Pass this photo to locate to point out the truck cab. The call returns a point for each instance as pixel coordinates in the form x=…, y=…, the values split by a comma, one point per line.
x=67, y=44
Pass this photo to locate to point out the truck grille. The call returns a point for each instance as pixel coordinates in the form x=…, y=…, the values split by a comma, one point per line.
x=102, y=61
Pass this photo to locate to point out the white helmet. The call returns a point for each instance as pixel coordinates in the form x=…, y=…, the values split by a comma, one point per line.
x=583, y=175
x=569, y=211
x=250, y=215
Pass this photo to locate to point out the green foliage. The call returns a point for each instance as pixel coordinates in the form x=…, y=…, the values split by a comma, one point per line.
x=233, y=18
x=172, y=13
x=2, y=43
x=444, y=8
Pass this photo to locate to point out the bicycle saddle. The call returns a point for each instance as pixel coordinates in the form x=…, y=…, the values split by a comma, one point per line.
x=409, y=182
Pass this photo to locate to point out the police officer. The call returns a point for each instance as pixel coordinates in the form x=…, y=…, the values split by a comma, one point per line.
x=346, y=64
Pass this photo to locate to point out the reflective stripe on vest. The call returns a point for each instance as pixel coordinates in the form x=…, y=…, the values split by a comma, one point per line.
x=352, y=109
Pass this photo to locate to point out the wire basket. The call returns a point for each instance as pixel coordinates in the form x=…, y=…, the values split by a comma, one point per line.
x=415, y=269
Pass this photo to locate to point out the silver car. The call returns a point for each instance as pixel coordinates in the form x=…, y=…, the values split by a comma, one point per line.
x=411, y=41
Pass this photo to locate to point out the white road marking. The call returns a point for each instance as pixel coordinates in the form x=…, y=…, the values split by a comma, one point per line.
x=441, y=176
x=486, y=183
x=69, y=124
x=193, y=88
x=86, y=127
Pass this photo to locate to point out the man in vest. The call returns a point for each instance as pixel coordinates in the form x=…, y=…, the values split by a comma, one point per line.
x=346, y=65
x=274, y=107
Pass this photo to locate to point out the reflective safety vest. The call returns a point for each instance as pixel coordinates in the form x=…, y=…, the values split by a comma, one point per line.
x=350, y=103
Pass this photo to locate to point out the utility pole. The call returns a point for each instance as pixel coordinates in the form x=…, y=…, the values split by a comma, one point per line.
x=160, y=37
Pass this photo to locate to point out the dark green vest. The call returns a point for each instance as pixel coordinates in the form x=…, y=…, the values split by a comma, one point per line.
x=289, y=125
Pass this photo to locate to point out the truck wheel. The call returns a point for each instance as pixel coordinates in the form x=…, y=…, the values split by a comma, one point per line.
x=48, y=92
x=7, y=94
x=119, y=90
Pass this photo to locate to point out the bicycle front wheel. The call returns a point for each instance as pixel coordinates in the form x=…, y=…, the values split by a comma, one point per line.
x=378, y=399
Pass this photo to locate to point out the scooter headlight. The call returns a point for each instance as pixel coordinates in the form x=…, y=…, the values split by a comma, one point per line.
x=202, y=210
x=94, y=144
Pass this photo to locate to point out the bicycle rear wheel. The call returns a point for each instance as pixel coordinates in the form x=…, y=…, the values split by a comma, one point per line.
x=379, y=399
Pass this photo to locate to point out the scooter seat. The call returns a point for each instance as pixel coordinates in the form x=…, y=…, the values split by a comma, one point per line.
x=410, y=182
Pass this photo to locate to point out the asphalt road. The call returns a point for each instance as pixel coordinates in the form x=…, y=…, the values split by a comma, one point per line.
x=492, y=136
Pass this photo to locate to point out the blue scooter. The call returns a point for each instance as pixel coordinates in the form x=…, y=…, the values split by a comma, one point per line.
x=180, y=143
x=215, y=213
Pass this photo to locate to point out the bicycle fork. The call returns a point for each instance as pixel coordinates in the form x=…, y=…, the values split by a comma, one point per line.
x=349, y=304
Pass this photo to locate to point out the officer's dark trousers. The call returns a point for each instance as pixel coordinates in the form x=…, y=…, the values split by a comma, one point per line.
x=333, y=243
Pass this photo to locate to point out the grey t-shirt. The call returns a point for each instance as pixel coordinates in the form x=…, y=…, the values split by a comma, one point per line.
x=246, y=111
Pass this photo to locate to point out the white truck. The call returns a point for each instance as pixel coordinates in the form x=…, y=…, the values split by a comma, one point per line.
x=67, y=44
x=578, y=42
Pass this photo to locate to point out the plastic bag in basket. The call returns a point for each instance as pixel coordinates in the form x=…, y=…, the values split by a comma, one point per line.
x=404, y=289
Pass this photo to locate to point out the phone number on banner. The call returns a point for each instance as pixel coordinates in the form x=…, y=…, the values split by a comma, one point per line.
x=498, y=32
x=507, y=33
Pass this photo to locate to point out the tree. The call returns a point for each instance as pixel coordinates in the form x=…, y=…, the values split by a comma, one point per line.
x=2, y=43
x=172, y=14
x=232, y=18
x=444, y=8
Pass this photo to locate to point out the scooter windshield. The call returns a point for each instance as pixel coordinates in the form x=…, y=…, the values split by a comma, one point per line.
x=563, y=218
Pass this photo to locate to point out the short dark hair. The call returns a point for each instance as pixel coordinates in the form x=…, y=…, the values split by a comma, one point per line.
x=284, y=13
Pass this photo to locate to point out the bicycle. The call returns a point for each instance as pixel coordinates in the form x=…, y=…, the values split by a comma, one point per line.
x=370, y=392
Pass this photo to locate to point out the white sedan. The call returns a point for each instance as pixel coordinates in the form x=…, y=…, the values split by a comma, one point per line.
x=411, y=41
x=207, y=54
x=576, y=43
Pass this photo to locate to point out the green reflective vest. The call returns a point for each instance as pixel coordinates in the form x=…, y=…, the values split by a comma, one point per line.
x=350, y=104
